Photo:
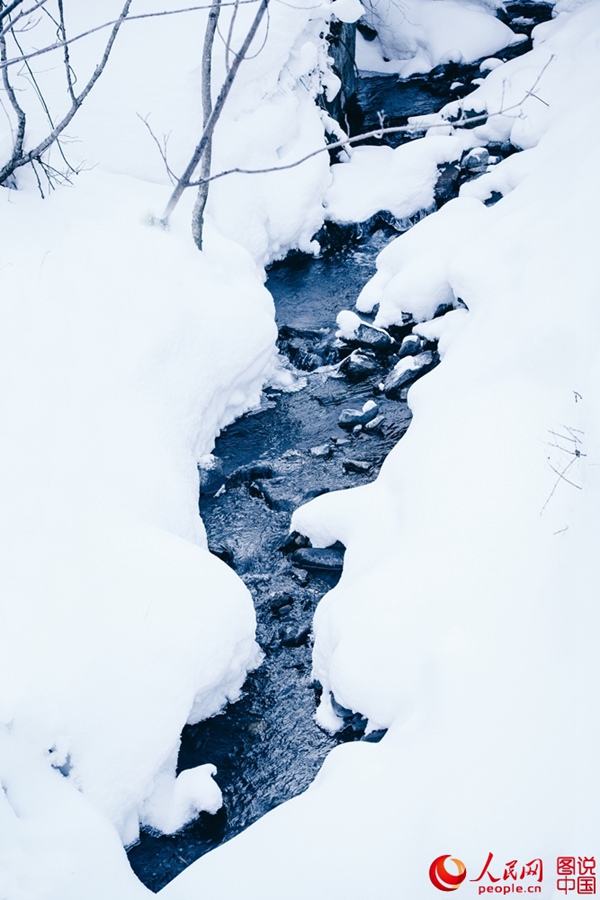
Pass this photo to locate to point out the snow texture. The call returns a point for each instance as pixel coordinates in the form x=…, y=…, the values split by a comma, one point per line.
x=466, y=619
x=123, y=353
x=414, y=36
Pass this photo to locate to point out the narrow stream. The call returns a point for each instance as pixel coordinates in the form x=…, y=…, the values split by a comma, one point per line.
x=267, y=747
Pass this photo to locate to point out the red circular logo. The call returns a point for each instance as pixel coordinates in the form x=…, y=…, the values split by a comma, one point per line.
x=444, y=880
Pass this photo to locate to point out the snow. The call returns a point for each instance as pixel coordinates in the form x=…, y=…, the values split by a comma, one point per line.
x=465, y=621
x=121, y=626
x=400, y=180
x=124, y=352
x=410, y=280
x=416, y=35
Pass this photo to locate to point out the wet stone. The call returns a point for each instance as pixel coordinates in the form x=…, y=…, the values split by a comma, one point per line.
x=402, y=329
x=411, y=345
x=245, y=474
x=294, y=637
x=326, y=559
x=442, y=308
x=479, y=158
x=375, y=425
x=294, y=541
x=357, y=466
x=349, y=418
x=212, y=476
x=282, y=602
x=374, y=338
x=323, y=451
x=400, y=378
x=447, y=183
x=283, y=610
x=359, y=366
x=300, y=575
x=373, y=737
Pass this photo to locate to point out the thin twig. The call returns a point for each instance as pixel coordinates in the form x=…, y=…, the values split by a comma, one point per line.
x=37, y=178
x=230, y=34
x=25, y=158
x=162, y=149
x=557, y=482
x=18, y=110
x=56, y=45
x=66, y=57
x=184, y=181
x=8, y=9
x=562, y=475
x=378, y=133
x=21, y=15
x=44, y=105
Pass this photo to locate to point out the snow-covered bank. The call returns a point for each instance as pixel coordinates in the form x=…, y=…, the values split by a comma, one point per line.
x=123, y=352
x=465, y=620
x=416, y=35
x=118, y=625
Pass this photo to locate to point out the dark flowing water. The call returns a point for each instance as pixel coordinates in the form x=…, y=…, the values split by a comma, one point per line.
x=267, y=747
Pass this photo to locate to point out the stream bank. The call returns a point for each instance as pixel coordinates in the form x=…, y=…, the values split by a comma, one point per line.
x=267, y=747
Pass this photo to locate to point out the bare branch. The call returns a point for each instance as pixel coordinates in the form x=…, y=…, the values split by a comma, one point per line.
x=562, y=475
x=21, y=15
x=207, y=108
x=25, y=158
x=58, y=44
x=162, y=148
x=6, y=11
x=44, y=105
x=67, y=61
x=184, y=181
x=230, y=34
x=378, y=133
x=19, y=112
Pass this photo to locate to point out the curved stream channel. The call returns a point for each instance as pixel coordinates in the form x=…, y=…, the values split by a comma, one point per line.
x=267, y=747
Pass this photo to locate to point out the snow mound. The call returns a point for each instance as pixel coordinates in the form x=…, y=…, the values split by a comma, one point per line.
x=400, y=181
x=466, y=620
x=416, y=35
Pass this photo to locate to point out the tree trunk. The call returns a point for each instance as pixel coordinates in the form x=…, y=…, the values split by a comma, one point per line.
x=209, y=40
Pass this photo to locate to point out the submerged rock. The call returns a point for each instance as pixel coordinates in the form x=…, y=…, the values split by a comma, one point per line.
x=322, y=451
x=357, y=466
x=246, y=474
x=295, y=637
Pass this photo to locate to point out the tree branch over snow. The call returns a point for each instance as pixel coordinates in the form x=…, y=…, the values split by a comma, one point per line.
x=22, y=14
x=58, y=44
x=6, y=11
x=19, y=136
x=20, y=158
x=184, y=181
x=462, y=121
x=207, y=51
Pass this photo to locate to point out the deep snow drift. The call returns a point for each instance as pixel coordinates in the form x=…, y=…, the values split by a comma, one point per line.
x=123, y=352
x=465, y=621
